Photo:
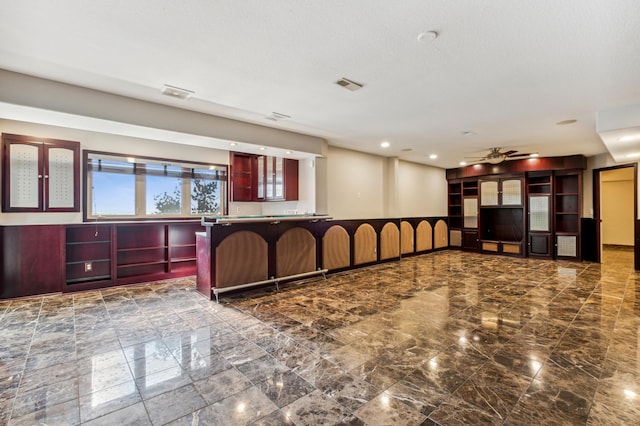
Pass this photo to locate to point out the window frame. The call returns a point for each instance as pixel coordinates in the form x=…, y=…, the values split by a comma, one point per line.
x=140, y=189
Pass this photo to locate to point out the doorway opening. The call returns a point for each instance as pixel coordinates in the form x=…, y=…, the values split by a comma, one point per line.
x=615, y=202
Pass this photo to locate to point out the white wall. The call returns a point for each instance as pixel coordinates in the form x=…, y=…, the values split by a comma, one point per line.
x=617, y=212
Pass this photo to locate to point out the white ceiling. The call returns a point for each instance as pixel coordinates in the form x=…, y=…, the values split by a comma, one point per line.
x=505, y=70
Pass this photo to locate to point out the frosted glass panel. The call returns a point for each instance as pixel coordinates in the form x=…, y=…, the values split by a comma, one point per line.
x=60, y=178
x=261, y=177
x=24, y=176
x=539, y=213
x=279, y=178
x=511, y=192
x=470, y=212
x=567, y=245
x=489, y=193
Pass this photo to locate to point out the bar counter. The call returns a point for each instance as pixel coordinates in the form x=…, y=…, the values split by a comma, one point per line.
x=237, y=252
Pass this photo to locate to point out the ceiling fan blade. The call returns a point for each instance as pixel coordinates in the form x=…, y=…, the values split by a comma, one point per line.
x=518, y=155
x=509, y=153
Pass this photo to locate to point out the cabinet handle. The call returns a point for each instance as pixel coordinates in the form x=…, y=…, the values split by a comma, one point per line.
x=46, y=176
x=39, y=176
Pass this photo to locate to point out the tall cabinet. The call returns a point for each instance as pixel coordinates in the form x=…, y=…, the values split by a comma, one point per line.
x=463, y=214
x=540, y=207
x=567, y=212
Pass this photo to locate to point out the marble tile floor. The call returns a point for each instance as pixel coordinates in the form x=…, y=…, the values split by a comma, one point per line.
x=446, y=338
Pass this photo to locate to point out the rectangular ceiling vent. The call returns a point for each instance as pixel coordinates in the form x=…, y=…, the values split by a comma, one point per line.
x=276, y=116
x=349, y=84
x=176, y=92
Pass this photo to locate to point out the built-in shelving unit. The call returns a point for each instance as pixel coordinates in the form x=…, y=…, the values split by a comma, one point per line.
x=106, y=254
x=567, y=203
x=88, y=255
x=455, y=213
x=529, y=207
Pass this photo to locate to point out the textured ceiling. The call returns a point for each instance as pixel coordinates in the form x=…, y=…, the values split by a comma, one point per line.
x=505, y=70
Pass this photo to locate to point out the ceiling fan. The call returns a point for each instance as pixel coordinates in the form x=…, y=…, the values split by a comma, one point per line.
x=496, y=156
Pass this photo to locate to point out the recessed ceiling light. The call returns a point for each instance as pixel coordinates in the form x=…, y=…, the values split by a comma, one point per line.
x=463, y=163
x=433, y=156
x=565, y=122
x=262, y=148
x=233, y=144
x=468, y=133
x=176, y=92
x=288, y=152
x=535, y=154
x=385, y=144
x=633, y=155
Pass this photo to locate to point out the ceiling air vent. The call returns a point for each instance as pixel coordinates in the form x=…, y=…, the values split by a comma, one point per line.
x=349, y=84
x=176, y=92
x=276, y=116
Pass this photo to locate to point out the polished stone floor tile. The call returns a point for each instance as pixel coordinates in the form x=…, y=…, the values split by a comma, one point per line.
x=441, y=339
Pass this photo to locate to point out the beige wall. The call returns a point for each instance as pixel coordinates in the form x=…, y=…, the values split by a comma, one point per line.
x=617, y=212
x=369, y=186
x=355, y=184
x=422, y=190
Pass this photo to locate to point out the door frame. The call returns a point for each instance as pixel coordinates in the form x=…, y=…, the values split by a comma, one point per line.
x=597, y=213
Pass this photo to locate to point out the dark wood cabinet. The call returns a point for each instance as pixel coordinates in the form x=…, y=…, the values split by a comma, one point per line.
x=263, y=178
x=242, y=176
x=539, y=209
x=40, y=175
x=39, y=259
x=32, y=260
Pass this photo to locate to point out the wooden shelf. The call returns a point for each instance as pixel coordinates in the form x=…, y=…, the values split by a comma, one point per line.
x=123, y=250
x=133, y=265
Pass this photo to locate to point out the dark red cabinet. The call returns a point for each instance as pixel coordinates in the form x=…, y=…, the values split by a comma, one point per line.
x=40, y=175
x=263, y=178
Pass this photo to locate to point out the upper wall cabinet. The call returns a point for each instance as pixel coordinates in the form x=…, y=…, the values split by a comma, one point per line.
x=263, y=178
x=503, y=192
x=40, y=175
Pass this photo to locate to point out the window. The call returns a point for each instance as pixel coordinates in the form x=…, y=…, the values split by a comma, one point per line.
x=125, y=187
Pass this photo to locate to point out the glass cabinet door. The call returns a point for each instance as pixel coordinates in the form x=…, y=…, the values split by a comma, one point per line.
x=260, y=170
x=470, y=207
x=279, y=178
x=25, y=176
x=489, y=193
x=539, y=213
x=269, y=184
x=59, y=177
x=512, y=192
